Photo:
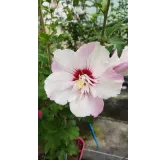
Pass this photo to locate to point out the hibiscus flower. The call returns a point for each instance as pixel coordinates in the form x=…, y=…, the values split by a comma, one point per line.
x=85, y=77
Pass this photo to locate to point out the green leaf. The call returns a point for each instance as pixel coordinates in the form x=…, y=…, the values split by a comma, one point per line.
x=53, y=142
x=104, y=5
x=73, y=132
x=49, y=125
x=110, y=48
x=41, y=92
x=98, y=5
x=56, y=140
x=116, y=40
x=54, y=108
x=79, y=118
x=113, y=28
x=125, y=26
x=67, y=113
x=47, y=147
x=61, y=37
x=42, y=57
x=71, y=122
x=45, y=112
x=44, y=37
x=75, y=2
x=88, y=119
x=64, y=136
x=61, y=155
x=49, y=1
x=120, y=48
x=71, y=149
x=69, y=16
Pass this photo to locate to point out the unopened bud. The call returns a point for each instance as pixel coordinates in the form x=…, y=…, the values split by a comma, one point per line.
x=53, y=4
x=40, y=113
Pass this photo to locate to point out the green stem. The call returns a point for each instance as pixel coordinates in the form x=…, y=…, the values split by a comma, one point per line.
x=44, y=30
x=105, y=17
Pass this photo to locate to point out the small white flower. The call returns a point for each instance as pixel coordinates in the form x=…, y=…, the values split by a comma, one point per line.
x=53, y=4
x=79, y=10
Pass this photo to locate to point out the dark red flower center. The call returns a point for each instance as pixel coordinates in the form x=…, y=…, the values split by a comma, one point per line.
x=80, y=72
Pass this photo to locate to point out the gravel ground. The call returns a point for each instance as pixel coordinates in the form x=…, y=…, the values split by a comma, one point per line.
x=112, y=136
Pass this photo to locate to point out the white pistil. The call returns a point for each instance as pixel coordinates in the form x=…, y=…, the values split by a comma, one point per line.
x=90, y=80
x=84, y=83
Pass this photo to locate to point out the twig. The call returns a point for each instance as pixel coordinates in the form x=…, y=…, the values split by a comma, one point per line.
x=44, y=30
x=105, y=17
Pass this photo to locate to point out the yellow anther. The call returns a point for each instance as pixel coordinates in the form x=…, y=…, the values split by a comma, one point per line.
x=80, y=83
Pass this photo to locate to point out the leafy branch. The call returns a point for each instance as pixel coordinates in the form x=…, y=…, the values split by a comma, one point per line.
x=44, y=31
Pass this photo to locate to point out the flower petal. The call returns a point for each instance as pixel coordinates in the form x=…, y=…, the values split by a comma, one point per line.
x=63, y=97
x=86, y=49
x=57, y=82
x=109, y=85
x=55, y=66
x=114, y=60
x=59, y=87
x=124, y=56
x=98, y=60
x=122, y=67
x=87, y=106
x=95, y=57
x=65, y=59
x=83, y=53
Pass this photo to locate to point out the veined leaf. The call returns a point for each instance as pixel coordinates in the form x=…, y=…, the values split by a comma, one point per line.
x=73, y=132
x=47, y=147
x=116, y=40
x=61, y=155
x=113, y=28
x=71, y=149
x=49, y=125
x=44, y=36
x=54, y=108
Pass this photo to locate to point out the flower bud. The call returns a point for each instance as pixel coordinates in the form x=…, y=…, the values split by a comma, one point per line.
x=53, y=4
x=38, y=150
x=40, y=113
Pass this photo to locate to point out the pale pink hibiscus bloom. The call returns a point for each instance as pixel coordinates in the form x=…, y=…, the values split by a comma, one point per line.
x=86, y=77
